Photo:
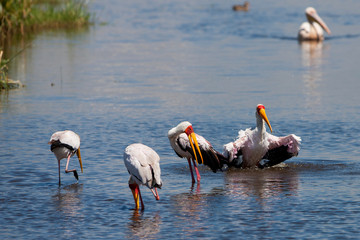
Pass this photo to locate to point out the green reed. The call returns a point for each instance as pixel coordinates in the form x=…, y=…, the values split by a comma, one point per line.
x=20, y=16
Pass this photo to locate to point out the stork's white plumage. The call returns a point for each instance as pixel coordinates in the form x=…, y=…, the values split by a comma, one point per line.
x=313, y=28
x=143, y=165
x=252, y=146
x=182, y=139
x=64, y=144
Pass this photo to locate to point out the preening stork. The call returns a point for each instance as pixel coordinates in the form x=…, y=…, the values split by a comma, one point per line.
x=64, y=144
x=182, y=139
x=143, y=165
x=252, y=146
x=313, y=28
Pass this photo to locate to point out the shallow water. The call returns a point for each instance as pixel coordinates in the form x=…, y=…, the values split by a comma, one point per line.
x=155, y=64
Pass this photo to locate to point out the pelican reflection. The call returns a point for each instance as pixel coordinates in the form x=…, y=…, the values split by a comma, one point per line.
x=312, y=53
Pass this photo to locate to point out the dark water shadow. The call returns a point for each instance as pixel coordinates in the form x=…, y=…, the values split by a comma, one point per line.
x=267, y=36
x=294, y=38
x=347, y=36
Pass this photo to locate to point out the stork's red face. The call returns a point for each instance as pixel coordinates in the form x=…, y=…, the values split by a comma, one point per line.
x=192, y=138
x=261, y=111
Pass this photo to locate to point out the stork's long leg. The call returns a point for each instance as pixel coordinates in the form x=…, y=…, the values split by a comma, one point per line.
x=73, y=170
x=191, y=171
x=142, y=204
x=196, y=170
x=59, y=172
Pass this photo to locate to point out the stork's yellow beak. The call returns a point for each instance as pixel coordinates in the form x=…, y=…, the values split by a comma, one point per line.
x=263, y=115
x=135, y=193
x=192, y=137
x=79, y=157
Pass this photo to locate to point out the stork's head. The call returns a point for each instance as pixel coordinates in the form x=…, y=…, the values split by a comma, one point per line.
x=136, y=194
x=260, y=110
x=312, y=16
x=186, y=127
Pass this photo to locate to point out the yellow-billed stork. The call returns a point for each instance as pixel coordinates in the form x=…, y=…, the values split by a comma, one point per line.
x=254, y=145
x=313, y=28
x=64, y=144
x=182, y=139
x=143, y=165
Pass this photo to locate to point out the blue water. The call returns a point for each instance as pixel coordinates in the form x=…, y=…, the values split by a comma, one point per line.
x=154, y=64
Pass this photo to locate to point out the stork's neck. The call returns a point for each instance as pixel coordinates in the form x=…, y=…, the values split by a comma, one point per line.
x=260, y=126
x=173, y=133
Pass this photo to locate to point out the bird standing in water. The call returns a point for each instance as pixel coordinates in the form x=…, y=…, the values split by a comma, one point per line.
x=64, y=144
x=254, y=145
x=143, y=165
x=182, y=139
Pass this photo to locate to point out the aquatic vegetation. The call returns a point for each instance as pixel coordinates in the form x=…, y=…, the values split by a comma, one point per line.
x=5, y=82
x=26, y=15
x=22, y=17
x=3, y=72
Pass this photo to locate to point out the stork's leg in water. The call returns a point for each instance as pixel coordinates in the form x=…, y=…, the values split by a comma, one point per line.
x=191, y=171
x=197, y=171
x=73, y=170
x=59, y=172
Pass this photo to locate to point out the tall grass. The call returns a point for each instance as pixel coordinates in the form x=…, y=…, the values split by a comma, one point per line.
x=28, y=15
x=3, y=72
x=21, y=17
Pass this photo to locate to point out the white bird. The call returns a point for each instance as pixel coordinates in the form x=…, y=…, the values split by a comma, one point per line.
x=143, y=165
x=64, y=144
x=182, y=139
x=252, y=146
x=313, y=28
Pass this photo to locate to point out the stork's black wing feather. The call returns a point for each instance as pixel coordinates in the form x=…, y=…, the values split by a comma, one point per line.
x=276, y=156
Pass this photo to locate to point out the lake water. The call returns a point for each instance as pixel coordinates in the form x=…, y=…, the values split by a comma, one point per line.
x=154, y=64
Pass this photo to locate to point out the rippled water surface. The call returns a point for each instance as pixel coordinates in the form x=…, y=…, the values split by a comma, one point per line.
x=156, y=63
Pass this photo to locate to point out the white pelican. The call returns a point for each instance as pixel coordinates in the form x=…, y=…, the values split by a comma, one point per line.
x=252, y=146
x=64, y=144
x=143, y=165
x=313, y=28
x=182, y=139
x=244, y=7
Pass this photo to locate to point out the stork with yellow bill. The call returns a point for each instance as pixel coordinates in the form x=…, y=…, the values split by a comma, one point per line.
x=187, y=144
x=254, y=145
x=64, y=144
x=143, y=165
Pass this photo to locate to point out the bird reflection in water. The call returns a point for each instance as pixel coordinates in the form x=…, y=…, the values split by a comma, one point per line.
x=68, y=201
x=263, y=184
x=188, y=209
x=312, y=56
x=142, y=227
